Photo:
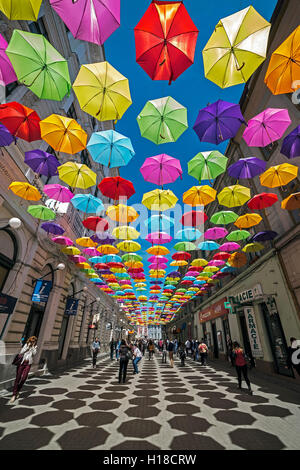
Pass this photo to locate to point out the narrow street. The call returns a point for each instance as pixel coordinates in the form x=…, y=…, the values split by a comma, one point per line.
x=191, y=407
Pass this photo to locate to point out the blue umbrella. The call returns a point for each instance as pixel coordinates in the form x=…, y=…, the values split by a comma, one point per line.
x=111, y=259
x=208, y=246
x=110, y=148
x=228, y=269
x=199, y=283
x=264, y=236
x=96, y=259
x=87, y=203
x=159, y=223
x=97, y=281
x=189, y=234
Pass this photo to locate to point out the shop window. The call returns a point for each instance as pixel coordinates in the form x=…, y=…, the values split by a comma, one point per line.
x=8, y=254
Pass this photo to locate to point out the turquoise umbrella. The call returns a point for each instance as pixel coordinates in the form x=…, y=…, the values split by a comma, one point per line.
x=159, y=223
x=110, y=148
x=188, y=234
x=111, y=259
x=208, y=246
x=87, y=203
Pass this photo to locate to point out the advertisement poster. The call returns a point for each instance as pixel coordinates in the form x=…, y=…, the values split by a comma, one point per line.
x=71, y=306
x=41, y=291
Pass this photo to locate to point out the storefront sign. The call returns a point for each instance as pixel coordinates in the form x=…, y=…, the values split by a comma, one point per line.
x=71, y=306
x=214, y=311
x=7, y=304
x=249, y=295
x=253, y=332
x=41, y=291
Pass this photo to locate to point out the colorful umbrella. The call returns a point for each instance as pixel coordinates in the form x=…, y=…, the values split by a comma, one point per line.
x=181, y=255
x=237, y=260
x=292, y=202
x=41, y=212
x=246, y=168
x=199, y=262
x=284, y=66
x=266, y=127
x=165, y=40
x=77, y=175
x=7, y=73
x=238, y=235
x=70, y=250
x=122, y=213
x=38, y=65
x=58, y=192
x=218, y=122
x=110, y=148
x=162, y=120
x=207, y=165
x=102, y=91
x=264, y=236
x=52, y=227
x=95, y=224
x=27, y=10
x=89, y=20
x=63, y=241
x=25, y=191
x=278, y=175
x=42, y=163
x=262, y=200
x=21, y=121
x=128, y=245
x=5, y=136
x=193, y=218
x=291, y=143
x=115, y=187
x=159, y=223
x=158, y=250
x=184, y=246
x=199, y=195
x=236, y=48
x=161, y=169
x=158, y=238
x=188, y=234
x=125, y=233
x=215, y=233
x=253, y=247
x=233, y=196
x=103, y=238
x=63, y=134
x=85, y=241
x=107, y=250
x=229, y=246
x=223, y=217
x=87, y=203
x=159, y=200
x=248, y=220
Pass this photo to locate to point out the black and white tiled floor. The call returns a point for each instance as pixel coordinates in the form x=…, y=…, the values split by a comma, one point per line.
x=180, y=408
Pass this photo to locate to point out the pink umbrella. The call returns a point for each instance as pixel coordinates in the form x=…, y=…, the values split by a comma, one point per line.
x=158, y=238
x=58, y=192
x=267, y=127
x=229, y=246
x=215, y=233
x=89, y=20
x=91, y=252
x=158, y=259
x=161, y=169
x=216, y=262
x=63, y=241
x=77, y=259
x=157, y=266
x=192, y=273
x=7, y=73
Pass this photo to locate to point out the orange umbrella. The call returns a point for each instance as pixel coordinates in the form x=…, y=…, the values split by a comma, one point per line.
x=237, y=260
x=292, y=202
x=63, y=134
x=248, y=220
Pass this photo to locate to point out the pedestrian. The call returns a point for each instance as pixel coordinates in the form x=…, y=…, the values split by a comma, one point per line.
x=23, y=362
x=203, y=352
x=187, y=346
x=181, y=351
x=196, y=350
x=117, y=349
x=171, y=353
x=136, y=357
x=241, y=365
x=164, y=352
x=151, y=349
x=125, y=355
x=112, y=345
x=230, y=352
x=95, y=347
x=293, y=361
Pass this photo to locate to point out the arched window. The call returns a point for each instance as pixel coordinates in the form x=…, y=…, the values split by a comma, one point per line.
x=8, y=254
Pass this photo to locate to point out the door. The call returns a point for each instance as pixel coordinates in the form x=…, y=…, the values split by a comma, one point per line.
x=227, y=333
x=215, y=339
x=245, y=336
x=34, y=322
x=62, y=335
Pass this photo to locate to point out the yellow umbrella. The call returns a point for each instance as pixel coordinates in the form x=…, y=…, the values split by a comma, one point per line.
x=233, y=196
x=86, y=241
x=159, y=199
x=199, y=195
x=178, y=263
x=125, y=233
x=248, y=220
x=210, y=269
x=70, y=250
x=199, y=262
x=292, y=202
x=25, y=191
x=122, y=213
x=278, y=175
x=118, y=270
x=102, y=91
x=129, y=245
x=107, y=249
x=64, y=134
x=27, y=10
x=77, y=175
x=252, y=247
x=83, y=265
x=236, y=48
x=158, y=250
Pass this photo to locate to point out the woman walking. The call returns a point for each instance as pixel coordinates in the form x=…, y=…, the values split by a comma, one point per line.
x=137, y=356
x=25, y=360
x=151, y=349
x=203, y=352
x=124, y=352
x=95, y=351
x=164, y=352
x=171, y=353
x=182, y=354
x=241, y=365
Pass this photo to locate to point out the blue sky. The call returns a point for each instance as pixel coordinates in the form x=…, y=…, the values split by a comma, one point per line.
x=191, y=89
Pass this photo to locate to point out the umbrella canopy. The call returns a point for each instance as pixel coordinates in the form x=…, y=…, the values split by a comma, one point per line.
x=208, y=246
x=189, y=234
x=122, y=213
x=181, y=255
x=107, y=250
x=193, y=218
x=158, y=259
x=158, y=250
x=159, y=223
x=291, y=143
x=218, y=122
x=63, y=241
x=71, y=251
x=39, y=66
x=89, y=20
x=87, y=203
x=52, y=227
x=238, y=235
x=103, y=238
x=42, y=163
x=237, y=260
x=86, y=241
x=102, y=91
x=184, y=246
x=223, y=217
x=125, y=233
x=7, y=73
x=77, y=175
x=165, y=40
x=292, y=202
x=230, y=246
x=27, y=10
x=207, y=165
x=266, y=127
x=21, y=121
x=159, y=200
x=131, y=257
x=161, y=169
x=233, y=196
x=41, y=212
x=246, y=168
x=199, y=195
x=278, y=175
x=5, y=136
x=200, y=262
x=236, y=48
x=95, y=223
x=63, y=134
x=58, y=192
x=115, y=187
x=110, y=148
x=262, y=200
x=248, y=220
x=284, y=66
x=162, y=120
x=253, y=247
x=25, y=191
x=158, y=238
x=215, y=233
x=264, y=236
x=128, y=245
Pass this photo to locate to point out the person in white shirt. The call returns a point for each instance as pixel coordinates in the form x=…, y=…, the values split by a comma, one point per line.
x=27, y=352
x=137, y=356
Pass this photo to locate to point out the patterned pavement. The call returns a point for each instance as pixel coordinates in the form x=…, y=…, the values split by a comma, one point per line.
x=184, y=408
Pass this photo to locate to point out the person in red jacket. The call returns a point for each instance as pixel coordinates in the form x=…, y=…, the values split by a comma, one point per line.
x=241, y=365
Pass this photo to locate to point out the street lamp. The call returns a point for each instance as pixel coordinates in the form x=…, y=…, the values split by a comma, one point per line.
x=84, y=289
x=14, y=223
x=59, y=267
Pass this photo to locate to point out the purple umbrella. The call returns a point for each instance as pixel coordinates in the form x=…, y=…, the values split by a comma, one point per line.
x=247, y=168
x=7, y=73
x=89, y=20
x=174, y=274
x=215, y=233
x=218, y=122
x=264, y=236
x=156, y=282
x=103, y=238
x=41, y=162
x=5, y=136
x=52, y=227
x=291, y=144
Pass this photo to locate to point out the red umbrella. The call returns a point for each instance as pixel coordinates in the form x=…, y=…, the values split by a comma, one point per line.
x=165, y=40
x=101, y=266
x=222, y=256
x=186, y=283
x=21, y=121
x=193, y=218
x=95, y=223
x=115, y=186
x=114, y=264
x=181, y=255
x=135, y=270
x=262, y=200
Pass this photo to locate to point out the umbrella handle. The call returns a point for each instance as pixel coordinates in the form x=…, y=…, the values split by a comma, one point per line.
x=240, y=68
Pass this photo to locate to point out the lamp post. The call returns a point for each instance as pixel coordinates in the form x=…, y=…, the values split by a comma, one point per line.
x=59, y=267
x=14, y=223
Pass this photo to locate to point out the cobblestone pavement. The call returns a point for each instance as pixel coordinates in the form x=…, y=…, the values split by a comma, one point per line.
x=180, y=408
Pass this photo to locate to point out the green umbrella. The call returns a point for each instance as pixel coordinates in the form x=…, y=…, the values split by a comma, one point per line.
x=41, y=212
x=39, y=65
x=207, y=165
x=181, y=290
x=131, y=257
x=224, y=217
x=185, y=246
x=238, y=235
x=162, y=120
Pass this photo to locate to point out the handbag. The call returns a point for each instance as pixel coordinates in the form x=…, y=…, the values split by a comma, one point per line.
x=17, y=360
x=128, y=355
